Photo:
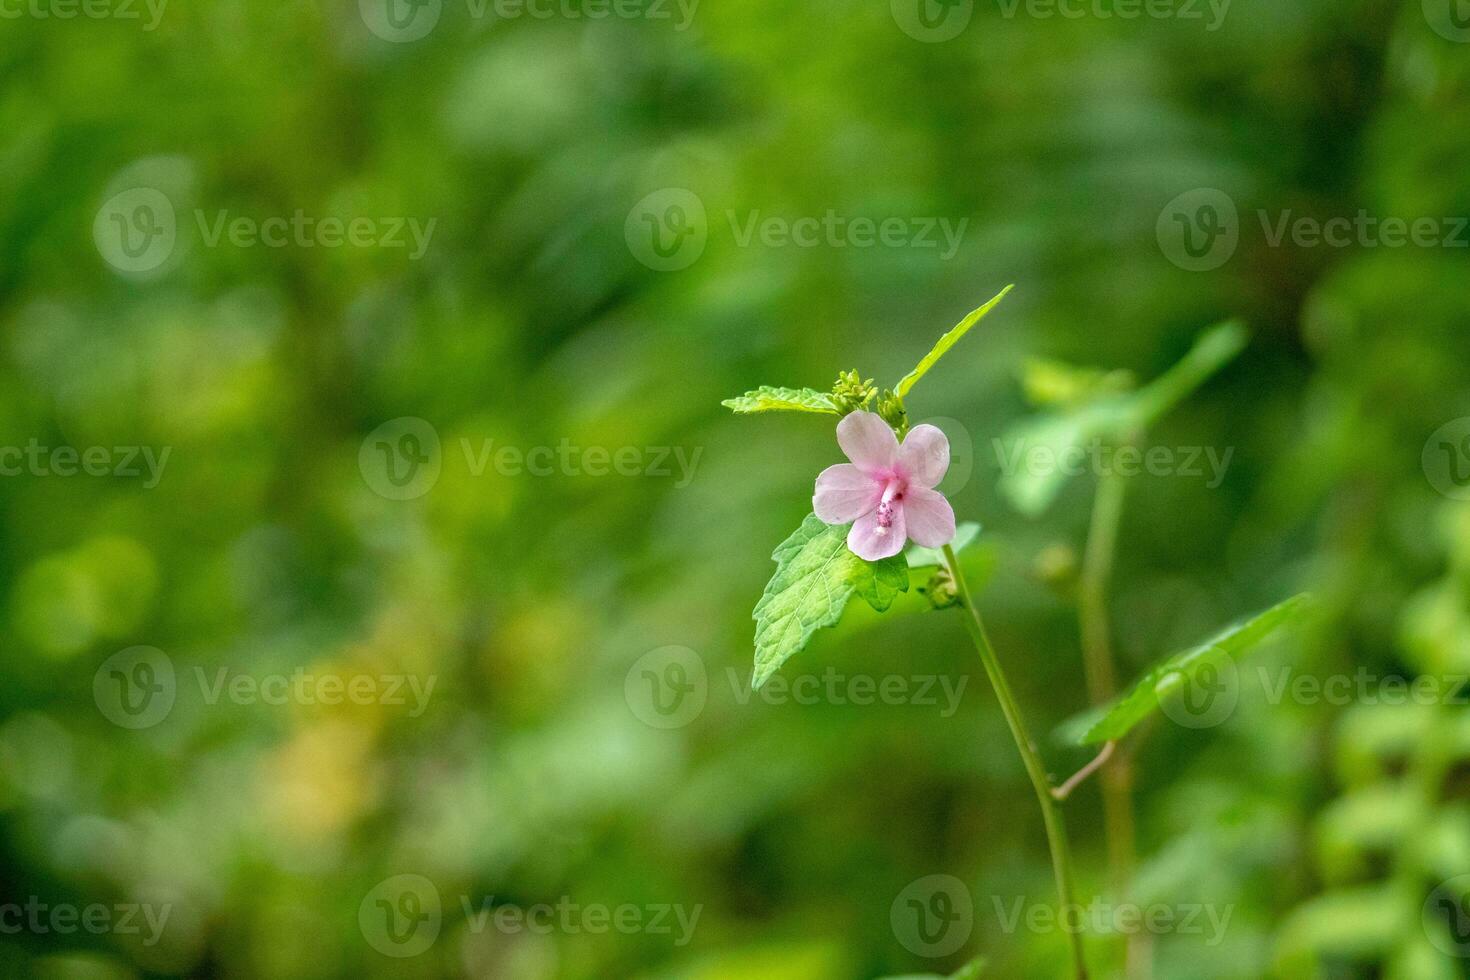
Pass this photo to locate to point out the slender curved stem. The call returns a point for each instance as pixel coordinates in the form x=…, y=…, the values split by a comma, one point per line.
x=1051, y=815
x=1077, y=778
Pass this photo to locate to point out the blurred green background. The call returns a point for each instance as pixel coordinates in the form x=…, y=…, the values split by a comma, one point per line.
x=588, y=282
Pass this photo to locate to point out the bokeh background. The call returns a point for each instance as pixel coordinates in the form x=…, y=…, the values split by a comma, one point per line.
x=547, y=150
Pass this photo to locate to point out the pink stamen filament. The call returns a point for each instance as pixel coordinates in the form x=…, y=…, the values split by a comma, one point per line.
x=892, y=491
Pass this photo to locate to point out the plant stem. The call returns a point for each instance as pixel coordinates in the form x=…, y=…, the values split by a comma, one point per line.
x=1051, y=816
x=1097, y=660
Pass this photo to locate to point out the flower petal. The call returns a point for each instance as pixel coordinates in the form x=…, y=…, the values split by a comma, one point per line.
x=869, y=541
x=845, y=493
x=924, y=455
x=929, y=516
x=868, y=441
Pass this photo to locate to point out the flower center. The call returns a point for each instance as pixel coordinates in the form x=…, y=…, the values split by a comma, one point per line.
x=892, y=493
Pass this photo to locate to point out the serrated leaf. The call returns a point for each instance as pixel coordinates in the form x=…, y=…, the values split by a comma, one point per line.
x=1038, y=453
x=946, y=342
x=769, y=399
x=815, y=577
x=1143, y=699
x=964, y=535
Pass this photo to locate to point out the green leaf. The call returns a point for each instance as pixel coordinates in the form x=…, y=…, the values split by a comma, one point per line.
x=1033, y=452
x=815, y=577
x=1214, y=349
x=964, y=536
x=970, y=971
x=1143, y=699
x=946, y=342
x=1053, y=384
x=768, y=399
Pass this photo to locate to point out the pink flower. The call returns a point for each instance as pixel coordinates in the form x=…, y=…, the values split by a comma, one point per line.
x=887, y=490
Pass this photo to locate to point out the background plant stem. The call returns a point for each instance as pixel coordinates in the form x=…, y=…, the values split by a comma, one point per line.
x=1051, y=816
x=1097, y=659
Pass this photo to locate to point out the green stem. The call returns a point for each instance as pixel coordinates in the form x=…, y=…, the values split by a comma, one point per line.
x=1051, y=816
x=1097, y=659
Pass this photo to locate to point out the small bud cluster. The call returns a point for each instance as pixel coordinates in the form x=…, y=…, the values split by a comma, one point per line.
x=852, y=393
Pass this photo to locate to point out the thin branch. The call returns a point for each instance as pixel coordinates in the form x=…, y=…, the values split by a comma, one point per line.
x=1065, y=790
